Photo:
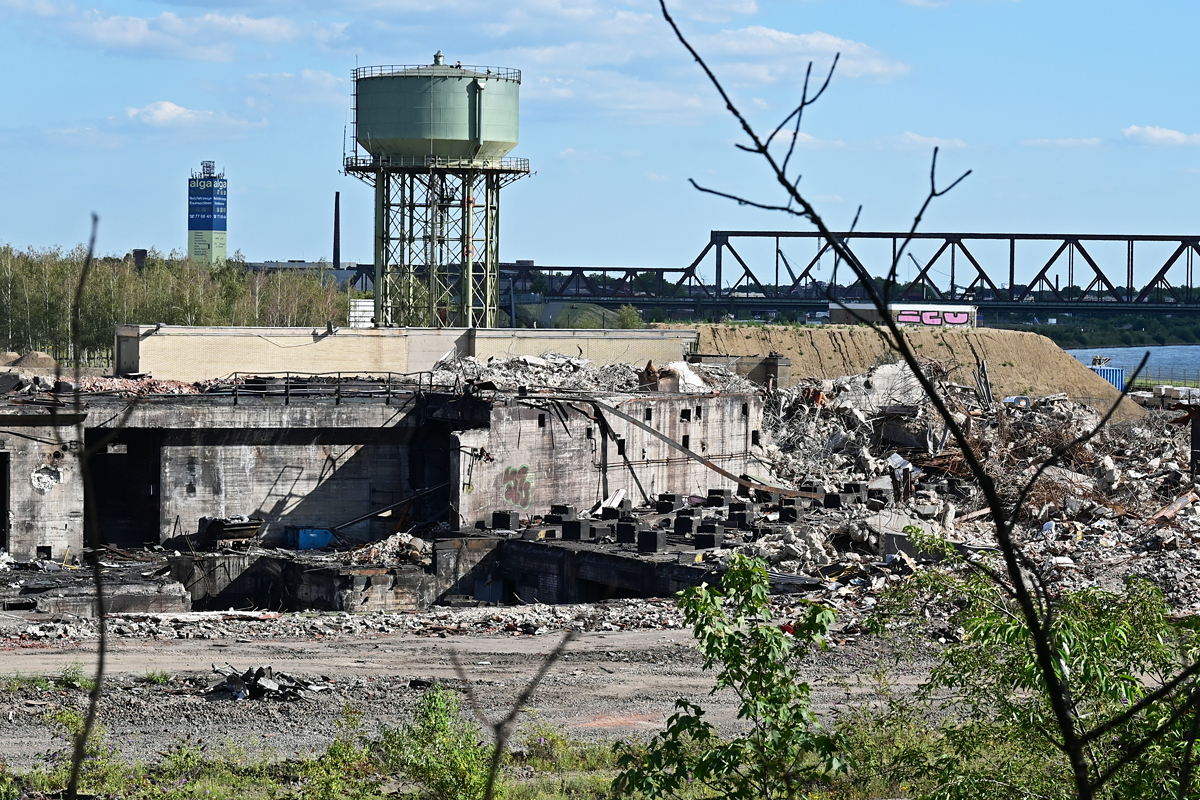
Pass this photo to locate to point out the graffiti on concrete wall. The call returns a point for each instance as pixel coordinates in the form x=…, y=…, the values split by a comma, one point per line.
x=933, y=317
x=518, y=485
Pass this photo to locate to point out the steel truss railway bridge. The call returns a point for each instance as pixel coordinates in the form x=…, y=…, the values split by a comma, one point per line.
x=762, y=271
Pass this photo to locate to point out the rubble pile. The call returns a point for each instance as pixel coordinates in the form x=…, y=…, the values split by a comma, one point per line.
x=532, y=620
x=399, y=548
x=1118, y=505
x=557, y=372
x=136, y=387
x=550, y=371
x=263, y=683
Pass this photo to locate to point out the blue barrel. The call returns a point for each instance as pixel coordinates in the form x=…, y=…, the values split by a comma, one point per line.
x=1114, y=375
x=309, y=538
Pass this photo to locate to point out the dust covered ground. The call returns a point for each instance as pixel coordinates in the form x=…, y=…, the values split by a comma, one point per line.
x=610, y=685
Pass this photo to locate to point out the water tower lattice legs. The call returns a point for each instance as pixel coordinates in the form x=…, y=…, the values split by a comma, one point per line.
x=437, y=248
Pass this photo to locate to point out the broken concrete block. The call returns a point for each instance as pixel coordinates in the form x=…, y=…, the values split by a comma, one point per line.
x=505, y=520
x=627, y=532
x=651, y=541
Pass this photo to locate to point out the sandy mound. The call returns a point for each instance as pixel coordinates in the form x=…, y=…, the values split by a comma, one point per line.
x=8, y=358
x=36, y=360
x=1018, y=362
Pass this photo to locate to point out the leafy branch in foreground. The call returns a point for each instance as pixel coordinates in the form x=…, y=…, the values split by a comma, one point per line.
x=1123, y=654
x=784, y=751
x=1024, y=585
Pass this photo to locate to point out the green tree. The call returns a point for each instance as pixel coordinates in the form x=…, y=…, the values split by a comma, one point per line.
x=628, y=317
x=785, y=750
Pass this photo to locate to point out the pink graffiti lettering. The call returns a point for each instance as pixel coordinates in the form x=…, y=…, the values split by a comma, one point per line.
x=956, y=317
x=931, y=317
x=518, y=486
x=909, y=316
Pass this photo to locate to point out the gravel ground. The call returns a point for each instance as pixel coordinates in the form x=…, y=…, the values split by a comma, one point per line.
x=611, y=684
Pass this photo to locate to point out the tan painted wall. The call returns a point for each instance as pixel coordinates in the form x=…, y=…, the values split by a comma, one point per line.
x=190, y=354
x=187, y=353
x=603, y=347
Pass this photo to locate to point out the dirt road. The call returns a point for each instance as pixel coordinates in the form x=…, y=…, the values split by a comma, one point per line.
x=610, y=684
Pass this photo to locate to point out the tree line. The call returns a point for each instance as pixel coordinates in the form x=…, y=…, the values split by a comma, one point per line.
x=36, y=287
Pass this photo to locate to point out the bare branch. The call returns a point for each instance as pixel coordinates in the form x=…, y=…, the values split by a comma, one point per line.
x=92, y=552
x=1044, y=650
x=502, y=728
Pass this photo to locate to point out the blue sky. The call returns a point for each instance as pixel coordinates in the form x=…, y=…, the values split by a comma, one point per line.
x=1075, y=117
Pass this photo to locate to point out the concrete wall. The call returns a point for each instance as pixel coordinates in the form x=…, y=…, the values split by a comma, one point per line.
x=539, y=452
x=44, y=491
x=188, y=353
x=603, y=346
x=306, y=464
x=467, y=565
x=298, y=485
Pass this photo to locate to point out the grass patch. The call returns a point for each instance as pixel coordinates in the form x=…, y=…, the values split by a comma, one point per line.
x=71, y=677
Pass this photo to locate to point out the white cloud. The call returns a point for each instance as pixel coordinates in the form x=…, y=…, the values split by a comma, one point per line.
x=206, y=37
x=1090, y=142
x=805, y=141
x=86, y=136
x=640, y=101
x=309, y=86
x=164, y=114
x=1150, y=134
x=714, y=10
x=758, y=54
x=915, y=140
x=655, y=177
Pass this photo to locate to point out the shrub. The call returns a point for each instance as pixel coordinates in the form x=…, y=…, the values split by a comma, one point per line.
x=785, y=751
x=438, y=750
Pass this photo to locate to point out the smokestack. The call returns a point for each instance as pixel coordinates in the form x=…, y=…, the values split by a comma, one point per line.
x=337, y=230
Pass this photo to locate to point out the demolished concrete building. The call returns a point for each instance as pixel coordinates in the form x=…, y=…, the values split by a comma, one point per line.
x=297, y=460
x=359, y=458
x=546, y=480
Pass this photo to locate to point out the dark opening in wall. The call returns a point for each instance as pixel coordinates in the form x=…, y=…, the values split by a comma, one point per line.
x=45, y=552
x=620, y=447
x=4, y=543
x=745, y=409
x=686, y=441
x=699, y=412
x=541, y=420
x=649, y=414
x=685, y=415
x=754, y=438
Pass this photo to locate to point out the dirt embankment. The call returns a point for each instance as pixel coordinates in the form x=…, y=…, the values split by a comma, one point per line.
x=1018, y=362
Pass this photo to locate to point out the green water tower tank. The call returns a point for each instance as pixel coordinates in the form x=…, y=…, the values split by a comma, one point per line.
x=451, y=112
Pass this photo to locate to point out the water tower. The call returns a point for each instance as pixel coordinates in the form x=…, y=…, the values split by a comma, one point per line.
x=435, y=139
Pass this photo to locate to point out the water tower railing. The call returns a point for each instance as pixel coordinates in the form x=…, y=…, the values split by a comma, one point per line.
x=402, y=69
x=435, y=162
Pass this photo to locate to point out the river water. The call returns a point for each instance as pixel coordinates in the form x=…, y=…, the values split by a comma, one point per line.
x=1182, y=360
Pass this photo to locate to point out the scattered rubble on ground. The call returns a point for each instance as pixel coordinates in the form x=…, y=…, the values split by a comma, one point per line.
x=263, y=683
x=232, y=626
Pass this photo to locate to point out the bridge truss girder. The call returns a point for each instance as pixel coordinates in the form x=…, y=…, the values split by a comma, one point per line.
x=983, y=282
